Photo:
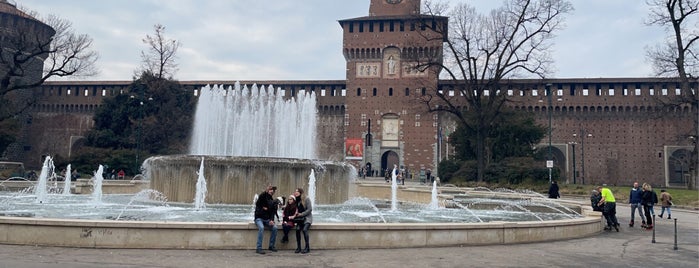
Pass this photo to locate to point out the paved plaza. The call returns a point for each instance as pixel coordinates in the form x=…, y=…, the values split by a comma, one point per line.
x=627, y=248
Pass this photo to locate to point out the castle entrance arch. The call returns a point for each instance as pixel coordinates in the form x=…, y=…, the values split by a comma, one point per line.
x=388, y=160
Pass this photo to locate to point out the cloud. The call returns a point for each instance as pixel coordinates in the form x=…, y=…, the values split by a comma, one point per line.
x=301, y=40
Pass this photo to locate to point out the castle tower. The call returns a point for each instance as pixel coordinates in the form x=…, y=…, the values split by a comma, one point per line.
x=383, y=123
x=20, y=32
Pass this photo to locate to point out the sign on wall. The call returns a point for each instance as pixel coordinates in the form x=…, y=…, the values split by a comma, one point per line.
x=354, y=149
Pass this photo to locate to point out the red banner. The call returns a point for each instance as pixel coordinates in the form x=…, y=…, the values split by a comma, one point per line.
x=354, y=149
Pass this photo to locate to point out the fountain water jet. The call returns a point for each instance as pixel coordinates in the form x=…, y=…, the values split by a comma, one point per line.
x=66, y=181
x=40, y=188
x=434, y=202
x=97, y=185
x=200, y=195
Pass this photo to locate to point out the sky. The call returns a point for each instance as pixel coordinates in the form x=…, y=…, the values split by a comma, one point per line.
x=302, y=39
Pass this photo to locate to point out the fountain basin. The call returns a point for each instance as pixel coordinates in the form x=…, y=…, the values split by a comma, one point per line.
x=235, y=180
x=208, y=235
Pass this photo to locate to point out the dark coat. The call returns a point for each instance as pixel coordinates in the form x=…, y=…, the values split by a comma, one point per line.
x=265, y=200
x=635, y=195
x=649, y=198
x=553, y=191
x=594, y=200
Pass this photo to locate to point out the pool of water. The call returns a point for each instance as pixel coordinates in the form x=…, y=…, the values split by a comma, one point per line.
x=149, y=206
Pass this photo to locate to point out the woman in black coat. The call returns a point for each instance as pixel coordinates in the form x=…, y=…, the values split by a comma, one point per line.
x=553, y=190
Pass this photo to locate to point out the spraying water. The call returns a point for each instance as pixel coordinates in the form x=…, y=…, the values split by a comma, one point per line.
x=434, y=203
x=312, y=188
x=255, y=122
x=66, y=181
x=200, y=195
x=97, y=186
x=394, y=190
x=40, y=189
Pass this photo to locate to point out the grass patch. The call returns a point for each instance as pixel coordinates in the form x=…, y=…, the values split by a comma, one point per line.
x=680, y=197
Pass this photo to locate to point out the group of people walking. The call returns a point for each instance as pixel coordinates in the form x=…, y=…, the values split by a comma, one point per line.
x=646, y=198
x=296, y=212
x=641, y=199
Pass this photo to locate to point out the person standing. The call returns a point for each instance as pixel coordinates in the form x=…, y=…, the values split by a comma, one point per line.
x=305, y=212
x=635, y=201
x=289, y=210
x=648, y=199
x=265, y=211
x=665, y=203
x=554, y=191
x=609, y=211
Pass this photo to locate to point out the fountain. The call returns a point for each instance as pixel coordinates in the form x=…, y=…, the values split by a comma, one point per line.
x=234, y=166
x=250, y=138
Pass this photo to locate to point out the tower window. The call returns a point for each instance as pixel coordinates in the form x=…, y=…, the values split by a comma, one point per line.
x=374, y=92
x=390, y=91
x=359, y=91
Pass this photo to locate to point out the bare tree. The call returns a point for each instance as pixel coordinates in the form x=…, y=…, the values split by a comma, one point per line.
x=22, y=53
x=161, y=55
x=483, y=50
x=678, y=57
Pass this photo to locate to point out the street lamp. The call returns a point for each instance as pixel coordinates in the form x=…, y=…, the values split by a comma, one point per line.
x=582, y=145
x=573, y=143
x=549, y=163
x=138, y=130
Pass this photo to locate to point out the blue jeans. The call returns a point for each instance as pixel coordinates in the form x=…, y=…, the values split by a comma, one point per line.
x=261, y=230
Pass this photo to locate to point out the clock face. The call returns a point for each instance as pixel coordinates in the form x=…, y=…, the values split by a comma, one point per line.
x=393, y=1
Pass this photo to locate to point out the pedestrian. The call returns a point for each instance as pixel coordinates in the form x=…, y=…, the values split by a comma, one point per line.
x=648, y=199
x=635, y=201
x=264, y=207
x=554, y=191
x=665, y=203
x=609, y=211
x=595, y=197
x=289, y=210
x=303, y=220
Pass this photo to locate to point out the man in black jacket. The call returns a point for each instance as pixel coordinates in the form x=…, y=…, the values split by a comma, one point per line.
x=265, y=208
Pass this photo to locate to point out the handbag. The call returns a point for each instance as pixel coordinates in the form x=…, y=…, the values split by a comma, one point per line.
x=299, y=220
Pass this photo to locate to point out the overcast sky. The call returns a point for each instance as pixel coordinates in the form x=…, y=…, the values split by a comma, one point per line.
x=301, y=39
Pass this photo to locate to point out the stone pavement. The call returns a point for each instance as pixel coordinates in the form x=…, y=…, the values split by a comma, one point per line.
x=629, y=247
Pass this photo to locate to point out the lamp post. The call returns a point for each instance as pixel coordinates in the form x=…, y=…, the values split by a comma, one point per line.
x=573, y=143
x=139, y=128
x=549, y=163
x=582, y=148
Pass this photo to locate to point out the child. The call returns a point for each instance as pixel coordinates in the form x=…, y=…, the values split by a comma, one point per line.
x=289, y=210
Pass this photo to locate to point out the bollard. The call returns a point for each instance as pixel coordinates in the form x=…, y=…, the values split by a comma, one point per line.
x=655, y=225
x=675, y=247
